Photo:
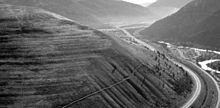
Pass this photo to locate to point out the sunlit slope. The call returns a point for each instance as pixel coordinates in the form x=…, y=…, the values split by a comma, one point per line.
x=46, y=61
x=164, y=8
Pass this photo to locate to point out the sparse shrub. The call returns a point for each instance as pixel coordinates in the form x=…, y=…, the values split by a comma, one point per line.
x=66, y=22
x=83, y=27
x=182, y=85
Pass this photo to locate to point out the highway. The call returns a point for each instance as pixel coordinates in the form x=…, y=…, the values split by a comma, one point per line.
x=189, y=66
x=215, y=82
x=196, y=79
x=198, y=85
x=139, y=42
x=194, y=76
x=206, y=73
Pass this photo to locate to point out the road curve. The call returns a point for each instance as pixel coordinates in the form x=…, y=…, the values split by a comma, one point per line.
x=216, y=83
x=196, y=79
x=202, y=70
x=197, y=82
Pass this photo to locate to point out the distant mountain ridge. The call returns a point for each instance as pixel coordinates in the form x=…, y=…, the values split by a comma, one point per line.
x=197, y=22
x=170, y=3
x=91, y=12
x=164, y=8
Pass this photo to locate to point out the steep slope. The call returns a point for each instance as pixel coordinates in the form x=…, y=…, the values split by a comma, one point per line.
x=185, y=24
x=164, y=8
x=207, y=32
x=91, y=12
x=48, y=61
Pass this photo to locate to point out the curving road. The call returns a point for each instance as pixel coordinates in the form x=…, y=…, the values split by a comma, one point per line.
x=207, y=74
x=198, y=85
x=196, y=79
x=215, y=82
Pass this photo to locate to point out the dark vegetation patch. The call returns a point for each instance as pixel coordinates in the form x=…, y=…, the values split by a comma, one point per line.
x=4, y=83
x=66, y=22
x=8, y=20
x=81, y=27
x=207, y=56
x=215, y=65
x=8, y=99
x=182, y=86
x=23, y=30
x=36, y=17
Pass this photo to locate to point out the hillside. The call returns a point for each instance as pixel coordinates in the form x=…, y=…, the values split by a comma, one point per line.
x=207, y=32
x=48, y=61
x=193, y=23
x=170, y=3
x=164, y=8
x=92, y=12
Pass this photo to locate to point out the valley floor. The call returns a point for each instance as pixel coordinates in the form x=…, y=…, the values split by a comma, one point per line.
x=197, y=60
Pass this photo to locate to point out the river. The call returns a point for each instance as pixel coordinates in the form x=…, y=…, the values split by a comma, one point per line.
x=203, y=64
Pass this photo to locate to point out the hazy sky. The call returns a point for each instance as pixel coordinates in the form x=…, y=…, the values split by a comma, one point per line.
x=140, y=1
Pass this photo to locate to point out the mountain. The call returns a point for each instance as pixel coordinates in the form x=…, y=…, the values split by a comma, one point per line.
x=207, y=32
x=117, y=12
x=49, y=61
x=92, y=12
x=170, y=3
x=164, y=8
x=146, y=4
x=197, y=22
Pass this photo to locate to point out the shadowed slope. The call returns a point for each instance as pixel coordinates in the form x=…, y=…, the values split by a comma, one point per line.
x=197, y=22
x=48, y=61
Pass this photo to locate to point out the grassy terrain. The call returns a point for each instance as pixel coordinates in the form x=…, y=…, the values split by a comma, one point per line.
x=50, y=62
x=208, y=56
